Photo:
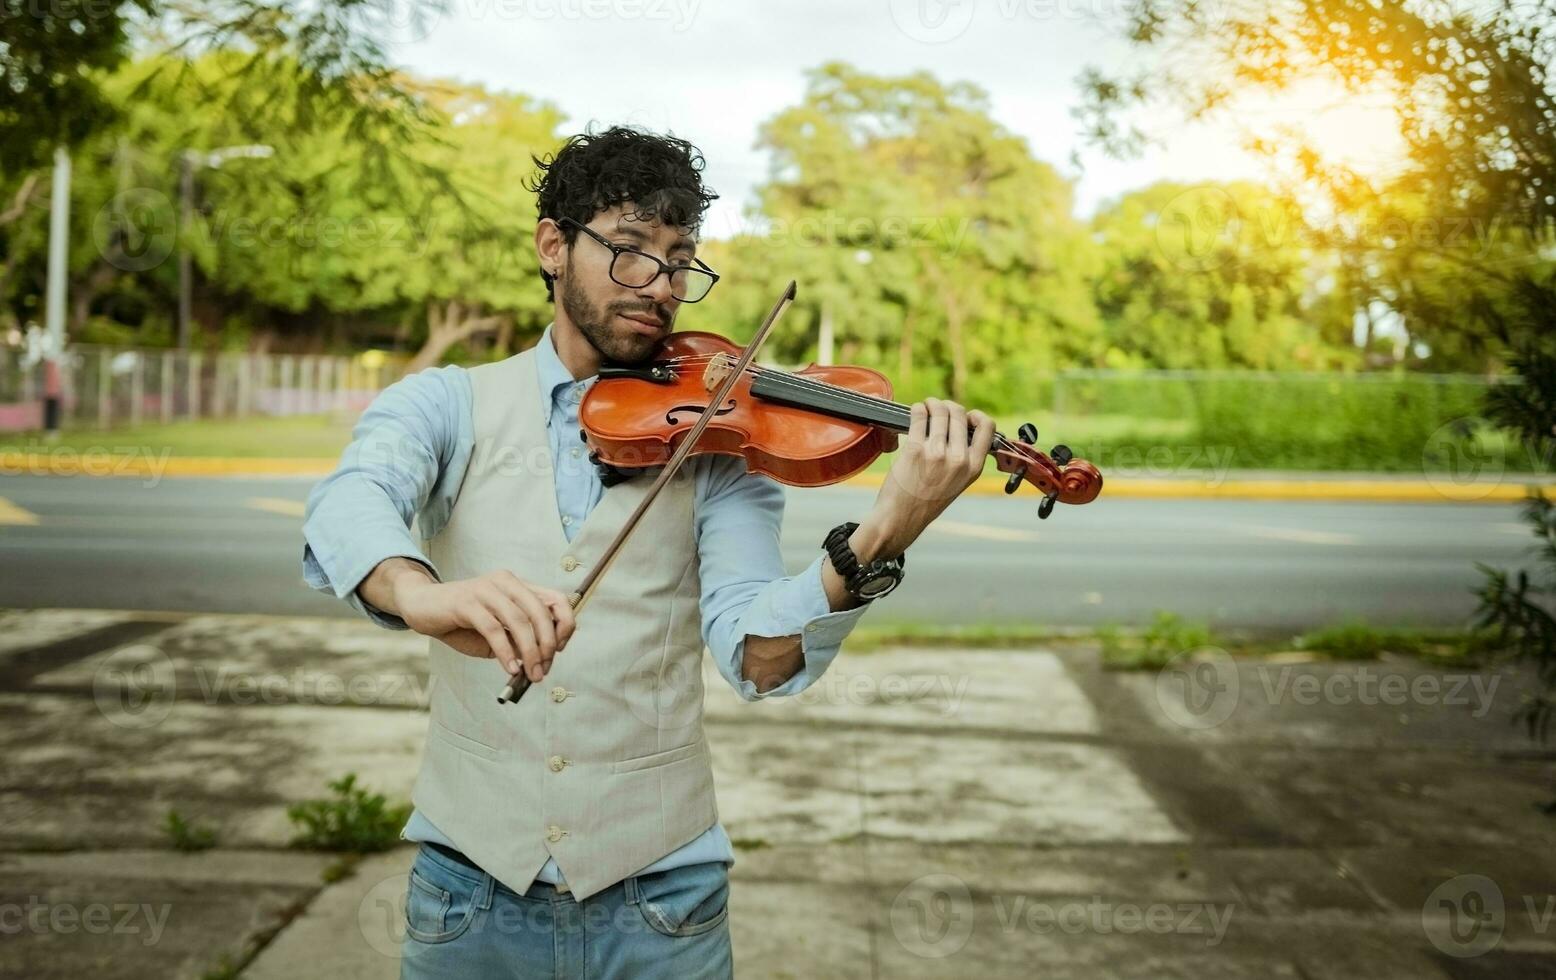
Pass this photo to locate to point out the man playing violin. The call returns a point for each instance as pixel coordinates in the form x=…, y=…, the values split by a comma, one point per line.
x=575, y=831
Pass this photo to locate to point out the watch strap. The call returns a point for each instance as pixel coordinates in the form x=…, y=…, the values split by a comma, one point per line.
x=844, y=561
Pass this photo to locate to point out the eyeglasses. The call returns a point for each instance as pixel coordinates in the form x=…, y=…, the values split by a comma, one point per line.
x=635, y=269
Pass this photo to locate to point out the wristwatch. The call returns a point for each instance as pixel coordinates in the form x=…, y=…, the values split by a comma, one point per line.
x=866, y=582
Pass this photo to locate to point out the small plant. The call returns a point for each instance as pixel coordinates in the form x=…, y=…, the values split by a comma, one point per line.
x=187, y=836
x=354, y=820
x=1167, y=637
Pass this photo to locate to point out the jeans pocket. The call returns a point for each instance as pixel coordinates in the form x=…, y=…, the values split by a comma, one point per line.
x=687, y=901
x=440, y=903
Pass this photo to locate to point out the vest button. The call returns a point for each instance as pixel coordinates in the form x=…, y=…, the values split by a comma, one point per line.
x=555, y=833
x=569, y=563
x=559, y=694
x=558, y=763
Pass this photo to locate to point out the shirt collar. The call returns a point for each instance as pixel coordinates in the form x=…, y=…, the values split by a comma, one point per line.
x=556, y=381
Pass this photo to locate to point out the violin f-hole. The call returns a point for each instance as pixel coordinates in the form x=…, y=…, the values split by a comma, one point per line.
x=696, y=410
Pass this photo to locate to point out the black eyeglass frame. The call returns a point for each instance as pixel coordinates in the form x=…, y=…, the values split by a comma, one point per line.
x=665, y=269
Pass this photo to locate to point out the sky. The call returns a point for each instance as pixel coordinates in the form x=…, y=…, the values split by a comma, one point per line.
x=712, y=71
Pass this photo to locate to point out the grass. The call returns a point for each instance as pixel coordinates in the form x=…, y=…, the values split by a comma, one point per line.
x=255, y=437
x=1168, y=635
x=1154, y=647
x=873, y=637
x=1355, y=640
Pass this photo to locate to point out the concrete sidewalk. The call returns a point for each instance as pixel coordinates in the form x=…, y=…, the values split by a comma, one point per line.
x=920, y=813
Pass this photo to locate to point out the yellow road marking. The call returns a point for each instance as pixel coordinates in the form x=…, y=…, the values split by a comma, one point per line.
x=276, y=505
x=12, y=514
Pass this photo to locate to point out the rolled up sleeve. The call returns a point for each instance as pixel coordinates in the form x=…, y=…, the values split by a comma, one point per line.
x=407, y=456
x=744, y=589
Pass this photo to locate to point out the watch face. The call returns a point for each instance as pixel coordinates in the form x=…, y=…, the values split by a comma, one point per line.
x=874, y=588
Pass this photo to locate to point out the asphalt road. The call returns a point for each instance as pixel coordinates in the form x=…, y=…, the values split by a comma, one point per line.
x=234, y=545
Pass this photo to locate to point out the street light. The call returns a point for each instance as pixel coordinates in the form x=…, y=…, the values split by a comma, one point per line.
x=189, y=161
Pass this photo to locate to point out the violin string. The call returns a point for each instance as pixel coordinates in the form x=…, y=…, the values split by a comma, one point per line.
x=838, y=392
x=858, y=398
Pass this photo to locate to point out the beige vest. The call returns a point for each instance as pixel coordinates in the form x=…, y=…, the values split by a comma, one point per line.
x=603, y=765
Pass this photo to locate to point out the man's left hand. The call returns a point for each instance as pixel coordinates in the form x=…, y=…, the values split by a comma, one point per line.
x=941, y=455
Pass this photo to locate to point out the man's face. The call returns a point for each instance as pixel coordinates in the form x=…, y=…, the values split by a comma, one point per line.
x=623, y=323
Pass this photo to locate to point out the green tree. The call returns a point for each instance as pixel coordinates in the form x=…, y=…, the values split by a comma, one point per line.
x=1212, y=276
x=935, y=242
x=287, y=68
x=1463, y=232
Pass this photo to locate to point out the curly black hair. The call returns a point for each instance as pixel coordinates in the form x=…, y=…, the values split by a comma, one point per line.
x=660, y=176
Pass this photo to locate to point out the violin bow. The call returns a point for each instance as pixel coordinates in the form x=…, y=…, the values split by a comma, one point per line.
x=518, y=683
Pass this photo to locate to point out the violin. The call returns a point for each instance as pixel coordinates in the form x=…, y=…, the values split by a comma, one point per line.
x=808, y=428
x=702, y=393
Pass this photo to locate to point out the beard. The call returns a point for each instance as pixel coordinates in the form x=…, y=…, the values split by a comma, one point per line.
x=616, y=344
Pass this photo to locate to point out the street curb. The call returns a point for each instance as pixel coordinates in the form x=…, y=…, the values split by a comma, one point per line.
x=1429, y=489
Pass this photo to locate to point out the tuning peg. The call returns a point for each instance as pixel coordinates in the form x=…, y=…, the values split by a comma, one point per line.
x=1061, y=454
x=1013, y=484
x=1027, y=432
x=1047, y=506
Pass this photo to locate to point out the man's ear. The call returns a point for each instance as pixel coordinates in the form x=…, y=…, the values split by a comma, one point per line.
x=549, y=246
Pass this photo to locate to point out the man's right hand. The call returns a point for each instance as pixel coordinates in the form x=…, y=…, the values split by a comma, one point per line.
x=494, y=615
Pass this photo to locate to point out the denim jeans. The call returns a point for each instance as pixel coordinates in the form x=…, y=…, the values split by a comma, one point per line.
x=463, y=923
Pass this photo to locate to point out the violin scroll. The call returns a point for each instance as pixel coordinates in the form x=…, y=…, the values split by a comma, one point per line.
x=1058, y=474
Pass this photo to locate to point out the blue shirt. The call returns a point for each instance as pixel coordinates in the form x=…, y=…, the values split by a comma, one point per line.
x=407, y=459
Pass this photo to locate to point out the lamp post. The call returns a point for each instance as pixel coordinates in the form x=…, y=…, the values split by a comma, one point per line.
x=190, y=161
x=55, y=293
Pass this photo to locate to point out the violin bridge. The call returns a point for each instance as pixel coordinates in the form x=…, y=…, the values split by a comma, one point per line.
x=717, y=370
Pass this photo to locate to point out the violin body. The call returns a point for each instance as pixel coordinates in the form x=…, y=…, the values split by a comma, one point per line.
x=634, y=422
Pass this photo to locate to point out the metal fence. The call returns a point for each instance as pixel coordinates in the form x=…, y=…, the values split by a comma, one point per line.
x=103, y=387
